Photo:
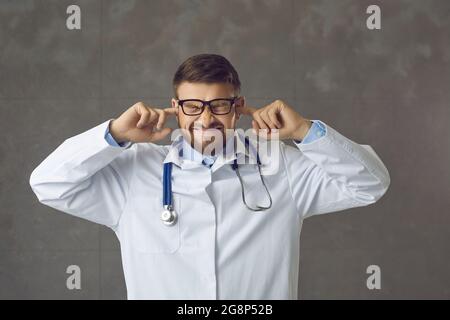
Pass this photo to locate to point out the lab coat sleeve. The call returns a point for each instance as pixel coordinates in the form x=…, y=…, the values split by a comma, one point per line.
x=86, y=177
x=333, y=173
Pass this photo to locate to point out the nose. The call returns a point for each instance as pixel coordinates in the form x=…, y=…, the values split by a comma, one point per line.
x=206, y=117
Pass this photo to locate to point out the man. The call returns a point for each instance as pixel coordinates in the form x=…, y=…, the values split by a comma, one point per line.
x=234, y=231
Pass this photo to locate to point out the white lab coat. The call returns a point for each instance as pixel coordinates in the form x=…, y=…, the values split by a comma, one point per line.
x=219, y=249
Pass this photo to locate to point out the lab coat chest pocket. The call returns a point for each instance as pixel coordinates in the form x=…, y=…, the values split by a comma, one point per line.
x=150, y=234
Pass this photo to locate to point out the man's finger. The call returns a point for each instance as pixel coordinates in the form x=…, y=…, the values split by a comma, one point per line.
x=247, y=110
x=261, y=123
x=154, y=115
x=161, y=119
x=274, y=118
x=265, y=117
x=144, y=116
x=170, y=111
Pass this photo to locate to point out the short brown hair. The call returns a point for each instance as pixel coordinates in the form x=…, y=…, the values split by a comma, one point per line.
x=206, y=68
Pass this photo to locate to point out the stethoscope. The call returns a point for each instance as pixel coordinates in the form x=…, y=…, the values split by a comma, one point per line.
x=169, y=216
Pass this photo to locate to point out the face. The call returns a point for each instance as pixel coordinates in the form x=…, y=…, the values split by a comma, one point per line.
x=202, y=130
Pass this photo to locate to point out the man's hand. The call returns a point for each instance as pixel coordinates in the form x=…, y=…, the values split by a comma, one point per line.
x=141, y=124
x=277, y=116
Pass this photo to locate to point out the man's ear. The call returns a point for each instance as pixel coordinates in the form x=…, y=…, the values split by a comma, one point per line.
x=175, y=105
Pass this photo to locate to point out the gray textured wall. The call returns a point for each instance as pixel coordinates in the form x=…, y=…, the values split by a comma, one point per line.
x=389, y=88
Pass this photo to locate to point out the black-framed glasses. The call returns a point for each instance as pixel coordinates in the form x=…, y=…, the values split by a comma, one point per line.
x=194, y=107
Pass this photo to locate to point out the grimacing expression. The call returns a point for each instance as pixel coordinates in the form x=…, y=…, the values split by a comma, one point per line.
x=200, y=129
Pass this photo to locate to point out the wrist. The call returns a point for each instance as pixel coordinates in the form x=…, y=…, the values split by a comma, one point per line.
x=116, y=133
x=302, y=130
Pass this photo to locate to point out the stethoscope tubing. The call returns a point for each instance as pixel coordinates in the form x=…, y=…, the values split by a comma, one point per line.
x=169, y=215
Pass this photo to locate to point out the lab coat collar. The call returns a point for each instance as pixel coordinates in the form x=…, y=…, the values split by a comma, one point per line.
x=228, y=155
x=174, y=154
x=189, y=153
x=235, y=150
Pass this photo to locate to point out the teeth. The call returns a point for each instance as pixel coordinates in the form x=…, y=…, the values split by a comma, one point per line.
x=207, y=129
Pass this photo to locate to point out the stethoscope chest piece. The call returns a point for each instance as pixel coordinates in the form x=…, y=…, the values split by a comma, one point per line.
x=168, y=216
